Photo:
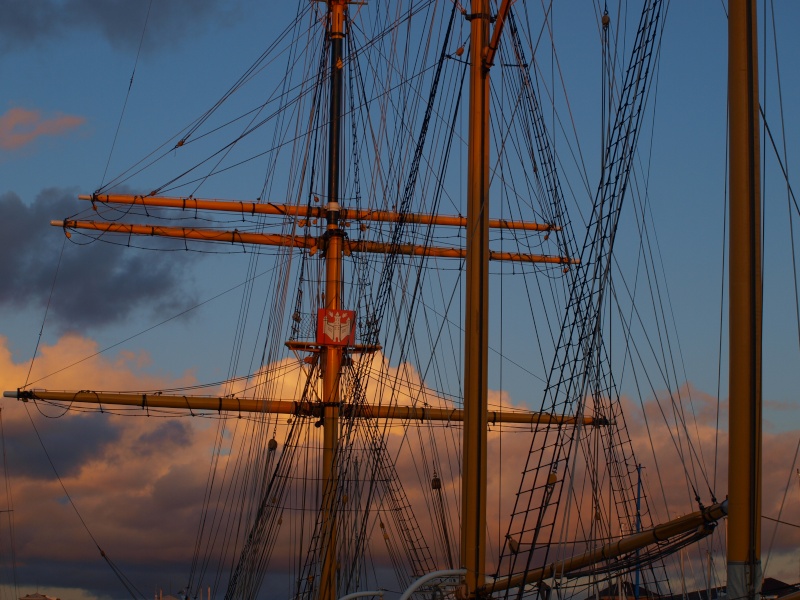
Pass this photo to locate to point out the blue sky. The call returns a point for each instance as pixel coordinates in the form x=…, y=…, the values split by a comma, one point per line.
x=81, y=70
x=67, y=68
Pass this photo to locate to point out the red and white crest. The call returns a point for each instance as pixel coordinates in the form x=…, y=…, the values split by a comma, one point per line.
x=336, y=327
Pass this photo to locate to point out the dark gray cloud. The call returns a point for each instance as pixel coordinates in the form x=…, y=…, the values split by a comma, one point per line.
x=142, y=508
x=27, y=23
x=171, y=434
x=70, y=442
x=98, y=284
x=147, y=579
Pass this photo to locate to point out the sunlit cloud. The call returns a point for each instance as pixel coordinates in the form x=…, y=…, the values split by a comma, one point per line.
x=136, y=482
x=675, y=470
x=20, y=126
x=141, y=483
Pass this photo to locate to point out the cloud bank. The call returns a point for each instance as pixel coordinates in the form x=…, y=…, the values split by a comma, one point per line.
x=671, y=462
x=140, y=483
x=137, y=482
x=98, y=284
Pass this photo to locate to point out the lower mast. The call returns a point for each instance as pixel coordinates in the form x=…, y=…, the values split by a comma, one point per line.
x=744, y=429
x=473, y=475
x=332, y=355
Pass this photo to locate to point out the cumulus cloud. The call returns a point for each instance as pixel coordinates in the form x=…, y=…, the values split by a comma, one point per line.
x=26, y=24
x=671, y=462
x=98, y=284
x=137, y=482
x=141, y=482
x=20, y=126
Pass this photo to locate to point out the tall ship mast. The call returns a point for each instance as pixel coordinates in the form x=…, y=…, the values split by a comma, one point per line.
x=744, y=459
x=356, y=367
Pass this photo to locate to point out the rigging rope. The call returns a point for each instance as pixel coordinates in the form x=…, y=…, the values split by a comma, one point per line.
x=127, y=94
x=120, y=575
x=573, y=369
x=126, y=583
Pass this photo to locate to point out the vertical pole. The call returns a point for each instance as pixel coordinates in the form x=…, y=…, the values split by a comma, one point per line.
x=332, y=355
x=638, y=524
x=473, y=489
x=744, y=428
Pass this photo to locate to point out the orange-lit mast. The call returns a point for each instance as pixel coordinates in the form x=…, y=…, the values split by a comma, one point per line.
x=744, y=460
x=476, y=334
x=476, y=326
x=332, y=355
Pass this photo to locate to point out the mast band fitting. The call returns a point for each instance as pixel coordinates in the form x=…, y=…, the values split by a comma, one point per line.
x=491, y=18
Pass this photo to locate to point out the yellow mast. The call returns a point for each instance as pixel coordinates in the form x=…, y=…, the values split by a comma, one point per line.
x=476, y=325
x=473, y=476
x=744, y=429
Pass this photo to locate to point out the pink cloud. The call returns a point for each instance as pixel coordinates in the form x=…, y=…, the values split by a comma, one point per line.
x=143, y=491
x=20, y=127
x=124, y=484
x=670, y=461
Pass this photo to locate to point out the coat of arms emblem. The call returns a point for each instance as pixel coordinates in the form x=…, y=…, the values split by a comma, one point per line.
x=336, y=327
